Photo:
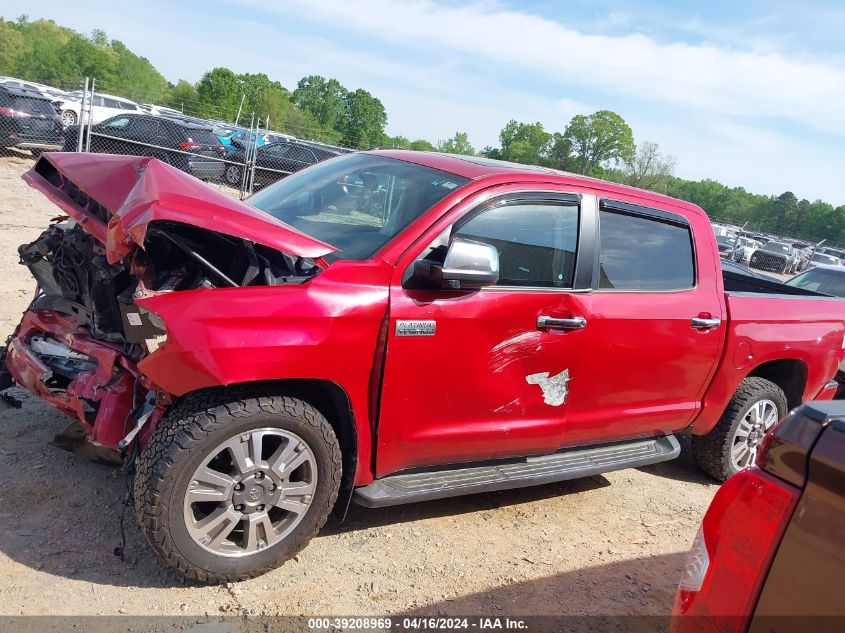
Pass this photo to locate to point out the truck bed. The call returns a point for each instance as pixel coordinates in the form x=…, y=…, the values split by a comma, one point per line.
x=738, y=283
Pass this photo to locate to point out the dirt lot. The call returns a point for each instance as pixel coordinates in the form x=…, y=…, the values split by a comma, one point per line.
x=603, y=545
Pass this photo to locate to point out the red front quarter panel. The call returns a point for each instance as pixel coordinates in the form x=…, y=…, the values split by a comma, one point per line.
x=325, y=329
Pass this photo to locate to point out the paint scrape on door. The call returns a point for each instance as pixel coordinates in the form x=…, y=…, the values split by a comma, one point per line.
x=555, y=388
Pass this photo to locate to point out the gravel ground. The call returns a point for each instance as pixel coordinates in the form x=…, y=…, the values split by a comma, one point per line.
x=603, y=545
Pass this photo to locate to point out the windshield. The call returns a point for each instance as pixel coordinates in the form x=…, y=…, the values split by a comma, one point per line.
x=357, y=202
x=825, y=280
x=776, y=247
x=818, y=258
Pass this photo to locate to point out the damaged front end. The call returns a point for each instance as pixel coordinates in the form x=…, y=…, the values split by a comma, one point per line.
x=135, y=228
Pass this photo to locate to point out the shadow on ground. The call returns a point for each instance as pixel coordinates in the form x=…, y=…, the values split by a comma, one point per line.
x=644, y=605
x=63, y=514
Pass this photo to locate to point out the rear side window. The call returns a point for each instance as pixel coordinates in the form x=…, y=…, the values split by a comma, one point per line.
x=206, y=137
x=128, y=106
x=640, y=253
x=34, y=106
x=536, y=242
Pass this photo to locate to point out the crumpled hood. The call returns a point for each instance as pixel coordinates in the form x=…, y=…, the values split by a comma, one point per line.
x=123, y=194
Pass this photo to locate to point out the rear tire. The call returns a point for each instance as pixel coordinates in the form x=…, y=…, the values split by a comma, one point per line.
x=69, y=118
x=232, y=175
x=239, y=450
x=732, y=444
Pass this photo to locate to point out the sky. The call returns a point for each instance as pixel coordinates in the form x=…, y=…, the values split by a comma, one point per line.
x=748, y=93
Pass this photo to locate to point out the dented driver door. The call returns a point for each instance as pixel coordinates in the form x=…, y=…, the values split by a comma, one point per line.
x=479, y=374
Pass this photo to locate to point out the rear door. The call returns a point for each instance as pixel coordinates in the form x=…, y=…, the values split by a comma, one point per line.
x=473, y=375
x=655, y=328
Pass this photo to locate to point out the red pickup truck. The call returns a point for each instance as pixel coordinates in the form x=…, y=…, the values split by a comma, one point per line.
x=391, y=327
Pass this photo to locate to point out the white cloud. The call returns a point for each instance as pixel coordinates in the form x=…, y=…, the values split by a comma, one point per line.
x=701, y=76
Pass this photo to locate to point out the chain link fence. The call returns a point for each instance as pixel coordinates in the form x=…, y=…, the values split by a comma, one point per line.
x=241, y=155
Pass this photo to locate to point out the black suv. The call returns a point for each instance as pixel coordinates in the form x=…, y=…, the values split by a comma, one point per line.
x=188, y=145
x=28, y=121
x=276, y=160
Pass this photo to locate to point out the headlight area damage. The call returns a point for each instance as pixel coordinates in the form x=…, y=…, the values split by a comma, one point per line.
x=135, y=228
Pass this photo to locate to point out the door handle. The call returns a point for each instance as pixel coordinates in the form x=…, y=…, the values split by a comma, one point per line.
x=700, y=323
x=552, y=323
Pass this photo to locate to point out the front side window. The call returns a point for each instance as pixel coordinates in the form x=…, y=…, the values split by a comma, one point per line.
x=357, y=202
x=536, y=241
x=639, y=253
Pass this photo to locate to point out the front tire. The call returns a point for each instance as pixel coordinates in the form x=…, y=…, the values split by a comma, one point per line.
x=732, y=444
x=231, y=486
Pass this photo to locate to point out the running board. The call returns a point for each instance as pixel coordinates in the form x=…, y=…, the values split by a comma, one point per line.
x=425, y=485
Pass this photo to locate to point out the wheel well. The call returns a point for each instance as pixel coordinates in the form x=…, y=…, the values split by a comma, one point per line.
x=789, y=374
x=332, y=401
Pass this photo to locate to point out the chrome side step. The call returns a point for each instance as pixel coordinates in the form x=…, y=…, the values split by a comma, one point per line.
x=442, y=482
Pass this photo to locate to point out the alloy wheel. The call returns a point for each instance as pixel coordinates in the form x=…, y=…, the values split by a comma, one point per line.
x=750, y=432
x=250, y=492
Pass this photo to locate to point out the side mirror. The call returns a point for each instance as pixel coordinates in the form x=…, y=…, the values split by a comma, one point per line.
x=468, y=264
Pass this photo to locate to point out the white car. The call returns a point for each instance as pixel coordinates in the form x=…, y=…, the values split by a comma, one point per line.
x=48, y=92
x=104, y=106
x=745, y=246
x=158, y=110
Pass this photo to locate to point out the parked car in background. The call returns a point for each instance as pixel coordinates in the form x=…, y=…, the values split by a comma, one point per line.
x=768, y=557
x=188, y=146
x=278, y=159
x=103, y=106
x=821, y=259
x=48, y=92
x=745, y=246
x=829, y=280
x=727, y=246
x=778, y=257
x=391, y=327
x=29, y=121
x=158, y=110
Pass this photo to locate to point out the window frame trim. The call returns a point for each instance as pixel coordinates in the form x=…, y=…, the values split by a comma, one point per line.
x=583, y=249
x=652, y=214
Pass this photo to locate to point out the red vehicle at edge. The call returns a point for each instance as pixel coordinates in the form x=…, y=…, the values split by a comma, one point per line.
x=391, y=327
x=768, y=557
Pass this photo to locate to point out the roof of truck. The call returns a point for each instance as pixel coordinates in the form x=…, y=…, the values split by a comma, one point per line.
x=477, y=167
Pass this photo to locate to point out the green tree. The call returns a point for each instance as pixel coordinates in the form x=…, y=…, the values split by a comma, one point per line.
x=598, y=139
x=324, y=99
x=11, y=46
x=219, y=93
x=458, y=144
x=649, y=168
x=184, y=97
x=421, y=145
x=525, y=143
x=365, y=119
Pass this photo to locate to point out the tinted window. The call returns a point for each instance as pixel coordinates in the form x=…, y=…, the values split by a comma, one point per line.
x=643, y=254
x=128, y=106
x=97, y=101
x=536, y=242
x=5, y=99
x=34, y=106
x=111, y=103
x=206, y=137
x=358, y=202
x=776, y=247
x=145, y=127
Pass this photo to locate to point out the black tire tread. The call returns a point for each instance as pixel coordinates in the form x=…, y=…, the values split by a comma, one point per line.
x=711, y=451
x=185, y=428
